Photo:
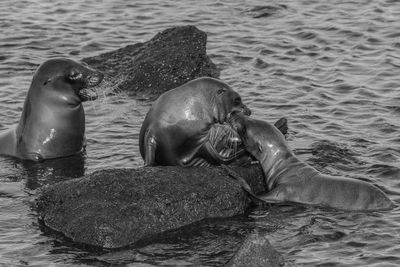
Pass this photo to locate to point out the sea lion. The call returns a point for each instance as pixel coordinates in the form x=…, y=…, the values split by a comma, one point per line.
x=187, y=126
x=290, y=180
x=52, y=124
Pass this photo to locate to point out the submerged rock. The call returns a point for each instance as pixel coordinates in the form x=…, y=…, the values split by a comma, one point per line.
x=256, y=251
x=117, y=207
x=170, y=59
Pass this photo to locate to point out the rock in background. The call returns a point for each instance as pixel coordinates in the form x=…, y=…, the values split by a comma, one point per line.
x=170, y=59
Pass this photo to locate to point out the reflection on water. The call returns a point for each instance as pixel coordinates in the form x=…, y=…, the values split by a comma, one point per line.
x=330, y=67
x=52, y=171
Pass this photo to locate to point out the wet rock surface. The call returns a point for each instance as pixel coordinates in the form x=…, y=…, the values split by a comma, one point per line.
x=117, y=207
x=170, y=59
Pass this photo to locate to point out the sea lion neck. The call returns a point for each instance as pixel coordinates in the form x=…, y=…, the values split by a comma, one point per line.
x=275, y=165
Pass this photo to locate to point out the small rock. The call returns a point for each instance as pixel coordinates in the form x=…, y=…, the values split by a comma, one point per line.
x=256, y=251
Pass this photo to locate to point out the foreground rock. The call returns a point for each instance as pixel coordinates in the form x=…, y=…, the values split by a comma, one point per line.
x=115, y=208
x=256, y=251
x=170, y=59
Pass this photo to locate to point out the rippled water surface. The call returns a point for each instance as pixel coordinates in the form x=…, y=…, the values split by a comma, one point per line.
x=331, y=67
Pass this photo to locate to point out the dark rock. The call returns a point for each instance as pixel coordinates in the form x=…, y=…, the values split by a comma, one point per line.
x=115, y=208
x=256, y=251
x=170, y=59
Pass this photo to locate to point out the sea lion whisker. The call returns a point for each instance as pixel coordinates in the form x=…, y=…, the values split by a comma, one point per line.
x=93, y=106
x=105, y=98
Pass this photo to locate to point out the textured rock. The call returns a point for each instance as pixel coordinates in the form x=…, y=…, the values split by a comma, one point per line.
x=170, y=59
x=256, y=251
x=115, y=208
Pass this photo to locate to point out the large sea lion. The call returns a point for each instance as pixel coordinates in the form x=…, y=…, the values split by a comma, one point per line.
x=291, y=180
x=52, y=124
x=187, y=126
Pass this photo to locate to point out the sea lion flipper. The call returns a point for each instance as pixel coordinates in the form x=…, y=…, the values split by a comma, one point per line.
x=34, y=156
x=211, y=152
x=195, y=162
x=150, y=150
x=243, y=183
x=223, y=144
x=282, y=125
x=270, y=197
x=84, y=143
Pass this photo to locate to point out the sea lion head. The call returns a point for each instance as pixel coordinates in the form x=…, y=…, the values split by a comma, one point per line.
x=228, y=102
x=262, y=139
x=66, y=81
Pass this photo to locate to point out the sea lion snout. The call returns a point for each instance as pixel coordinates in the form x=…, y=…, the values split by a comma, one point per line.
x=89, y=80
x=83, y=75
x=241, y=109
x=95, y=79
x=246, y=111
x=233, y=116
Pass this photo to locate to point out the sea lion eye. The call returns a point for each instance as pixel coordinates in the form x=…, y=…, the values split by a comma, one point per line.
x=221, y=91
x=47, y=81
x=75, y=75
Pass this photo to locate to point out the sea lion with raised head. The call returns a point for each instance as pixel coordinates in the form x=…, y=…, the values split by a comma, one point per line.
x=290, y=180
x=52, y=124
x=187, y=126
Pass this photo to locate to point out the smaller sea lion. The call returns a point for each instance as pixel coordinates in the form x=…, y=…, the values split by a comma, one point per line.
x=291, y=180
x=52, y=124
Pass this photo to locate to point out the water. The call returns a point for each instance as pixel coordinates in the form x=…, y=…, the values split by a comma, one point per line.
x=332, y=68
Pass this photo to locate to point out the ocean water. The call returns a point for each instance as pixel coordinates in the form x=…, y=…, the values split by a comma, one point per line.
x=331, y=67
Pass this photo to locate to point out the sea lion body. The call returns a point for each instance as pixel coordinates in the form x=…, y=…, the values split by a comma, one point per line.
x=179, y=125
x=52, y=123
x=291, y=180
